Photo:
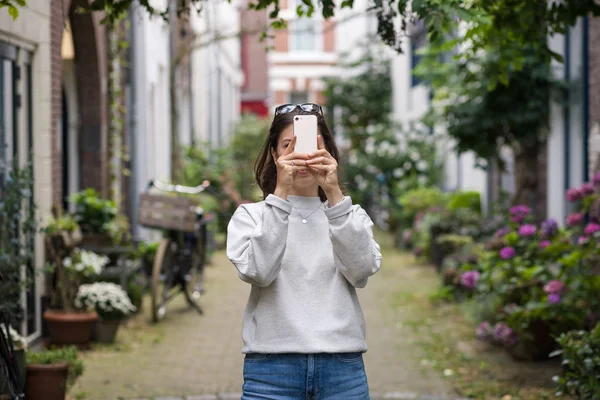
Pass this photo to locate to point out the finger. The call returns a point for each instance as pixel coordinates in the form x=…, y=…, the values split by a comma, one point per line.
x=320, y=144
x=322, y=152
x=293, y=156
x=321, y=160
x=323, y=167
x=290, y=148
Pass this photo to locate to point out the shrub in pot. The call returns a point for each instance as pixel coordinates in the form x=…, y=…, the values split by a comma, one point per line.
x=110, y=302
x=51, y=373
x=99, y=220
x=71, y=267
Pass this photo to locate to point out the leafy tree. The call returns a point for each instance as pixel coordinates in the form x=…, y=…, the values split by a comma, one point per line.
x=483, y=115
x=505, y=24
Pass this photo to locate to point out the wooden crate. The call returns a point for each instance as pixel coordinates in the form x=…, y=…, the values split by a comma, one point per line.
x=166, y=212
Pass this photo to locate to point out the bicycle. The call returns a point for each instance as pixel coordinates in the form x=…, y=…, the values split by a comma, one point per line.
x=179, y=262
x=11, y=383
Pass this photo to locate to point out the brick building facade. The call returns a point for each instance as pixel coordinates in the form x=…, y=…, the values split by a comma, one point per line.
x=89, y=43
x=594, y=94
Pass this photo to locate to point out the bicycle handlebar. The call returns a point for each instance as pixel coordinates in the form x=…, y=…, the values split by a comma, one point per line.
x=166, y=187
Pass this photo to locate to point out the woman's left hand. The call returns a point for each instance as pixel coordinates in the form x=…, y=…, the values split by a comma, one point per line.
x=325, y=170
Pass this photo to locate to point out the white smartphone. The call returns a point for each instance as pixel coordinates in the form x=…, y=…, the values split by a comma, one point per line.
x=305, y=130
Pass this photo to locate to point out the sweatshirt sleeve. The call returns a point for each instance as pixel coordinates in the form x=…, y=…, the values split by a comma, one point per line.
x=256, y=246
x=357, y=255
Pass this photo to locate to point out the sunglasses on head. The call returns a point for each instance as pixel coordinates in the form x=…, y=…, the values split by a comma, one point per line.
x=308, y=107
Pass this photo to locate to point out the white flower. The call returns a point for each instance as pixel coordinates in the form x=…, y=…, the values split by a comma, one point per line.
x=421, y=165
x=448, y=372
x=369, y=148
x=370, y=129
x=105, y=298
x=372, y=169
x=422, y=179
x=407, y=165
x=398, y=173
x=19, y=341
x=353, y=159
x=414, y=156
x=381, y=152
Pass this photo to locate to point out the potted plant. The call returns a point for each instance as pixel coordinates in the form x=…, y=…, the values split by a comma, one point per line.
x=71, y=267
x=51, y=373
x=12, y=339
x=110, y=302
x=100, y=222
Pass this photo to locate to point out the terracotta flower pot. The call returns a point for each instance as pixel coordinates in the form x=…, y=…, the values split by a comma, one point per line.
x=46, y=382
x=536, y=349
x=70, y=328
x=106, y=330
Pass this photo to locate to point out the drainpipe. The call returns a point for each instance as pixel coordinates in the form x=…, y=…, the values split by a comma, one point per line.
x=586, y=100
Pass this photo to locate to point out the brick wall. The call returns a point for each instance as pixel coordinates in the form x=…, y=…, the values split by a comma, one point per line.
x=90, y=64
x=254, y=56
x=594, y=93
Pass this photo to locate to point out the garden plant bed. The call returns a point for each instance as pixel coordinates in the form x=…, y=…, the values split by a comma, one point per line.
x=474, y=368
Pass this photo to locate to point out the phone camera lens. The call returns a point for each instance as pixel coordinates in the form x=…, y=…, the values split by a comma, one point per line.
x=296, y=118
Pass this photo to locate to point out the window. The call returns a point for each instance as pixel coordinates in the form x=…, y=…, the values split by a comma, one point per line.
x=303, y=34
x=417, y=43
x=298, y=97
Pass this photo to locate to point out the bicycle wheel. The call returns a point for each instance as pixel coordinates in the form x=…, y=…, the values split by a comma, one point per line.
x=194, y=279
x=163, y=278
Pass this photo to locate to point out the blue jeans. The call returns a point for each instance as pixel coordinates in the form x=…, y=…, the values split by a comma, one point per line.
x=339, y=376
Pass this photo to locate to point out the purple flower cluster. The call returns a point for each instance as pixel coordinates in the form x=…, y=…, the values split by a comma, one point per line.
x=549, y=228
x=544, y=244
x=587, y=189
x=507, y=253
x=596, y=179
x=519, y=212
x=484, y=331
x=527, y=230
x=583, y=240
x=469, y=279
x=591, y=228
x=574, y=195
x=504, y=334
x=554, y=289
x=500, y=233
x=574, y=219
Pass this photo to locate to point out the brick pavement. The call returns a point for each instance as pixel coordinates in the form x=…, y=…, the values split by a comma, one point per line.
x=195, y=357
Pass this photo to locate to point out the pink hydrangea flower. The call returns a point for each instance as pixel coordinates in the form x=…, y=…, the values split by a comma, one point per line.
x=587, y=189
x=519, y=212
x=469, y=279
x=574, y=219
x=574, y=194
x=554, y=298
x=592, y=228
x=596, y=179
x=544, y=244
x=527, y=230
x=582, y=240
x=504, y=334
x=507, y=253
x=484, y=331
x=554, y=287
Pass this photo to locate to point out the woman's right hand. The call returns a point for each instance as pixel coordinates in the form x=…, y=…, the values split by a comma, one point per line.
x=288, y=166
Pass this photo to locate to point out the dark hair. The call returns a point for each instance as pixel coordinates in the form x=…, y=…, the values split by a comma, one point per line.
x=265, y=169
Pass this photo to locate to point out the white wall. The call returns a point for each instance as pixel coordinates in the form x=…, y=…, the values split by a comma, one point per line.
x=31, y=32
x=410, y=103
x=216, y=72
x=568, y=134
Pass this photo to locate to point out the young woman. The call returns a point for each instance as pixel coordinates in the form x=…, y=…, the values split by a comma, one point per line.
x=304, y=249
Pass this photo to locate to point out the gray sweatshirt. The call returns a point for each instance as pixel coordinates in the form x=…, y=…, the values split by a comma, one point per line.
x=303, y=275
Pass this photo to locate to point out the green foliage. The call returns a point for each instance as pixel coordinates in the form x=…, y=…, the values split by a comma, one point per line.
x=19, y=226
x=249, y=136
x=421, y=199
x=581, y=364
x=465, y=199
x=62, y=223
x=68, y=355
x=93, y=213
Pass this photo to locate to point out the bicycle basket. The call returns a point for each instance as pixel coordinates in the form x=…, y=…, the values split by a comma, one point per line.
x=166, y=212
